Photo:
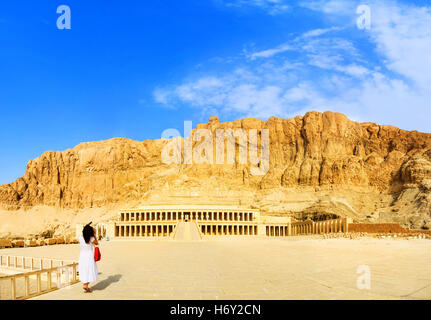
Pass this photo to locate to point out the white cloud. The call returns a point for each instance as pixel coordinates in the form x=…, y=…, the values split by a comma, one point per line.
x=385, y=101
x=160, y=96
x=334, y=63
x=329, y=7
x=322, y=71
x=319, y=32
x=203, y=92
x=293, y=45
x=272, y=7
x=403, y=37
x=269, y=52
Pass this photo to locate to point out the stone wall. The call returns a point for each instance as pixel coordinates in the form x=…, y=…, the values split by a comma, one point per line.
x=383, y=228
x=36, y=243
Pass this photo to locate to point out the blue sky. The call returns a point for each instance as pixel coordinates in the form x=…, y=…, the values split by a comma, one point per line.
x=133, y=69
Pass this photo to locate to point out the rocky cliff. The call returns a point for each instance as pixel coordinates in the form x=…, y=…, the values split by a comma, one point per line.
x=321, y=163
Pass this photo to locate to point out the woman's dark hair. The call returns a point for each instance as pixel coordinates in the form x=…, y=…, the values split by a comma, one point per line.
x=87, y=233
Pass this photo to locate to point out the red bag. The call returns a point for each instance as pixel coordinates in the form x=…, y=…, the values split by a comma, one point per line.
x=97, y=255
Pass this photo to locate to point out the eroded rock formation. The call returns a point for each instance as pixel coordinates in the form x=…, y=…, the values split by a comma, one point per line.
x=321, y=163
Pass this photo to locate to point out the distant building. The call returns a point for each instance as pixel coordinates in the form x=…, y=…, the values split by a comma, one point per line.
x=163, y=221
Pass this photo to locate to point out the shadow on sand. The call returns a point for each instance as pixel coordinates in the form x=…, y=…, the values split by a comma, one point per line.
x=102, y=285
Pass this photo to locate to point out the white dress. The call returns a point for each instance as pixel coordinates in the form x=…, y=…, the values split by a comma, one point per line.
x=87, y=266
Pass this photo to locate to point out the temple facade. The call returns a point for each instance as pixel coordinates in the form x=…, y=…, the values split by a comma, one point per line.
x=164, y=222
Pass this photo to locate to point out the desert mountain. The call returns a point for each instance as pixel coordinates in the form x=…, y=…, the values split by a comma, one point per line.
x=320, y=164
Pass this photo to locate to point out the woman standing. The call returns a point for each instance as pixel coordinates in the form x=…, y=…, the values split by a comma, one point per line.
x=87, y=266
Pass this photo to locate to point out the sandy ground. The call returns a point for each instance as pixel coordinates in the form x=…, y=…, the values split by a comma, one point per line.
x=223, y=268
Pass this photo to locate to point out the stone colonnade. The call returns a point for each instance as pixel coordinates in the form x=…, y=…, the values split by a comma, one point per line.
x=149, y=230
x=228, y=229
x=277, y=231
x=193, y=215
x=162, y=222
x=319, y=227
x=101, y=230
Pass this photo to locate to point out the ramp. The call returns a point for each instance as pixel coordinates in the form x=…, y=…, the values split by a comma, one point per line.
x=188, y=231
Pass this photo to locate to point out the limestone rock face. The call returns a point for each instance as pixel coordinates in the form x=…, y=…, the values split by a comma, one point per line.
x=319, y=163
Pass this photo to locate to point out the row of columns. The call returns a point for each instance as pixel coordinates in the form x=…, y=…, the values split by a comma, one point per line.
x=144, y=230
x=296, y=228
x=216, y=230
x=328, y=226
x=277, y=231
x=303, y=228
x=194, y=216
x=101, y=230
